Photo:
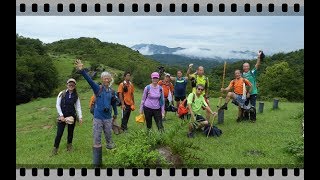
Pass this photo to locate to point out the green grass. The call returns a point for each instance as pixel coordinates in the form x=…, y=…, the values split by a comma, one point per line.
x=261, y=144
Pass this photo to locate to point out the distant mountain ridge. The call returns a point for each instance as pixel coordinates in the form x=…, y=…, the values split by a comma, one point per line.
x=195, y=53
x=155, y=49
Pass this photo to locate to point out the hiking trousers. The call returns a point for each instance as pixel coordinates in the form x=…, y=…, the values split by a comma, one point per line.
x=99, y=126
x=60, y=129
x=126, y=116
x=156, y=114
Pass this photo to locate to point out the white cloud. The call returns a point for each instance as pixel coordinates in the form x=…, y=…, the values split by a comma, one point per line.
x=221, y=34
x=145, y=51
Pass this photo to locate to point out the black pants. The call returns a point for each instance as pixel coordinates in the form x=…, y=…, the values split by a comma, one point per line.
x=125, y=118
x=252, y=100
x=156, y=113
x=60, y=130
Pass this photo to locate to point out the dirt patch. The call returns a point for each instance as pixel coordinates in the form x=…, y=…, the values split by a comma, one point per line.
x=43, y=109
x=254, y=153
x=170, y=157
x=47, y=127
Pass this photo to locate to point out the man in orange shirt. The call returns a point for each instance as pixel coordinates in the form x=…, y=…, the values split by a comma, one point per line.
x=126, y=90
x=239, y=93
x=167, y=87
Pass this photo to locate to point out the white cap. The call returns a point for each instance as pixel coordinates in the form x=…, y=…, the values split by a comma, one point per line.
x=72, y=80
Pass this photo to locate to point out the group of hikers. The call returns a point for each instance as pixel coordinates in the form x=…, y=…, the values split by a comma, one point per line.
x=157, y=99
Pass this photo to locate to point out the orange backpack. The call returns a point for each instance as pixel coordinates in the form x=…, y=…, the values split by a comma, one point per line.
x=183, y=108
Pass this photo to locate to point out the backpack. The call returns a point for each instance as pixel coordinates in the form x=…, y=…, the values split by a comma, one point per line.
x=114, y=100
x=161, y=96
x=214, y=131
x=183, y=108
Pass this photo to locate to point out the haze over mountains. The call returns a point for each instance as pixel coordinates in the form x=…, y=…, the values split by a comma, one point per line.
x=185, y=56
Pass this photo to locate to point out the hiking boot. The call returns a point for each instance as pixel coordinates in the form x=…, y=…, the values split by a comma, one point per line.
x=239, y=119
x=190, y=135
x=54, y=151
x=69, y=147
x=97, y=156
x=110, y=146
x=224, y=106
x=245, y=115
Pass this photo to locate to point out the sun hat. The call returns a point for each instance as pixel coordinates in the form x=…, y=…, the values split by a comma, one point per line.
x=155, y=75
x=72, y=80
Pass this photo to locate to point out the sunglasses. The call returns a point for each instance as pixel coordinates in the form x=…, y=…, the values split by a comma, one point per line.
x=200, y=89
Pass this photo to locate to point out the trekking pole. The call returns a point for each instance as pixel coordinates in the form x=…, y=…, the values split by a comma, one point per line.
x=211, y=125
x=222, y=84
x=220, y=117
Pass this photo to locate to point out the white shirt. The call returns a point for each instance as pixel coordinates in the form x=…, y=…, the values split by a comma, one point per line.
x=77, y=106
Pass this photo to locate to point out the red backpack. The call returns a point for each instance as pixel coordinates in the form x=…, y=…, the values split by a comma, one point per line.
x=183, y=107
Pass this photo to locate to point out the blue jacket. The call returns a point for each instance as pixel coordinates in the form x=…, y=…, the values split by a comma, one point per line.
x=102, y=109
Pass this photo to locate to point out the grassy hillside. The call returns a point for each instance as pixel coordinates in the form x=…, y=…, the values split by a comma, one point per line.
x=261, y=144
x=113, y=55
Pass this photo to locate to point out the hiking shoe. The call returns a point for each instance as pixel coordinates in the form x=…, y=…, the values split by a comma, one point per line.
x=224, y=107
x=54, y=151
x=190, y=135
x=69, y=147
x=110, y=146
x=239, y=119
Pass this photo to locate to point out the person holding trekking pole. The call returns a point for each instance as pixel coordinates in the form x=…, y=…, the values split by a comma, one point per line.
x=239, y=93
x=196, y=102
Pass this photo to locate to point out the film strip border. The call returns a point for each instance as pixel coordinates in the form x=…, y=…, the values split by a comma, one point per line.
x=160, y=7
x=172, y=172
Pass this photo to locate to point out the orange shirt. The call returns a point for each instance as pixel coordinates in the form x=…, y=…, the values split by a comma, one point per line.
x=166, y=86
x=237, y=85
x=128, y=96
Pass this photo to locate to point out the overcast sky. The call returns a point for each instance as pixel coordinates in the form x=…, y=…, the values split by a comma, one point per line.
x=220, y=34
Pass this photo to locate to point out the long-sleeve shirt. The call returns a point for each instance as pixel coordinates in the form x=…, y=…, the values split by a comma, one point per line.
x=152, y=101
x=77, y=104
x=102, y=109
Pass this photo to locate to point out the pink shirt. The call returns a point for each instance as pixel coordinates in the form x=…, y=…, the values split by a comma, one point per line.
x=153, y=99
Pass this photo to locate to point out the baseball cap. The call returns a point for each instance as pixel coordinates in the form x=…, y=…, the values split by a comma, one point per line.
x=155, y=75
x=72, y=80
x=167, y=74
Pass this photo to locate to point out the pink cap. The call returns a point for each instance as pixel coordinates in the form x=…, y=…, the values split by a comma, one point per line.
x=155, y=75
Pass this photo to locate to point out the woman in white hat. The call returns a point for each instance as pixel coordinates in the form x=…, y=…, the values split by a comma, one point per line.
x=68, y=107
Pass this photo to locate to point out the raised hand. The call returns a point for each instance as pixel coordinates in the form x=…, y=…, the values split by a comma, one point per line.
x=78, y=64
x=260, y=54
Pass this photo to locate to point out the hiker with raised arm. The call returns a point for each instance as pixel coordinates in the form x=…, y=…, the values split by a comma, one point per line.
x=239, y=93
x=104, y=104
x=251, y=75
x=196, y=102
